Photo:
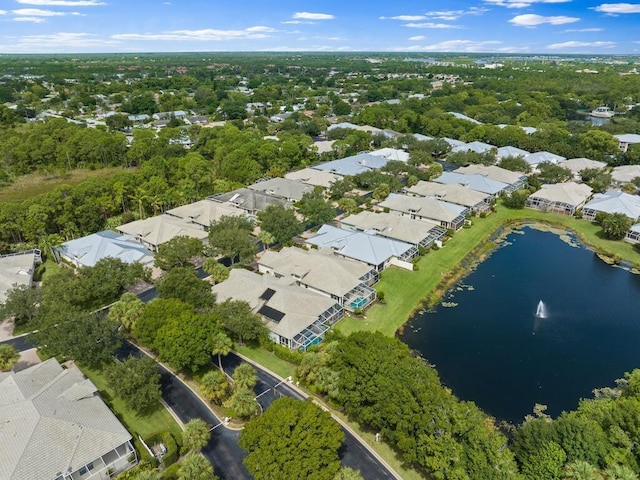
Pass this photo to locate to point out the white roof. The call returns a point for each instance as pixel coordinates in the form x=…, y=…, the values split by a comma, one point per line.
x=320, y=268
x=493, y=172
x=291, y=190
x=453, y=193
x=570, y=193
x=204, y=212
x=478, y=147
x=504, y=152
x=479, y=183
x=391, y=154
x=391, y=225
x=628, y=138
x=625, y=173
x=541, y=157
x=162, y=228
x=296, y=307
x=52, y=422
x=89, y=250
x=616, y=201
x=462, y=116
x=453, y=142
x=16, y=269
x=576, y=165
x=431, y=208
x=368, y=248
x=421, y=137
x=311, y=176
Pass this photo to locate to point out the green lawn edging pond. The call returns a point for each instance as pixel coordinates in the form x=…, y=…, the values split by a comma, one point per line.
x=437, y=271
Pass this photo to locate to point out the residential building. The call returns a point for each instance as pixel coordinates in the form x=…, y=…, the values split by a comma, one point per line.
x=576, y=165
x=289, y=190
x=535, y=159
x=477, y=147
x=563, y=198
x=297, y=318
x=314, y=177
x=462, y=116
x=251, y=201
x=17, y=269
x=346, y=281
x=452, y=193
x=204, y=212
x=362, y=162
x=514, y=180
x=506, y=152
x=416, y=232
x=376, y=251
x=422, y=138
x=89, y=250
x=447, y=215
x=154, y=231
x=479, y=183
x=613, y=201
x=55, y=426
x=391, y=154
x=453, y=142
x=625, y=173
x=633, y=235
x=627, y=139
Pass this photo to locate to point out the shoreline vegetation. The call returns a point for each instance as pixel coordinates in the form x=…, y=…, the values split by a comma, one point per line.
x=437, y=272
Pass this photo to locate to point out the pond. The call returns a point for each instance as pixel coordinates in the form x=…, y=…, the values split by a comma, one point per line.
x=489, y=346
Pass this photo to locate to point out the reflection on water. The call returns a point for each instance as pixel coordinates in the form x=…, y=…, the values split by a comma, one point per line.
x=492, y=349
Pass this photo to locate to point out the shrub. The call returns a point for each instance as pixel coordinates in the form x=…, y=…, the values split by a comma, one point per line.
x=171, y=473
x=483, y=214
x=380, y=295
x=169, y=442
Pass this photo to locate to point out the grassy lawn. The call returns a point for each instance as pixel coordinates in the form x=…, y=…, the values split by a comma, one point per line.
x=158, y=420
x=405, y=291
x=27, y=186
x=268, y=360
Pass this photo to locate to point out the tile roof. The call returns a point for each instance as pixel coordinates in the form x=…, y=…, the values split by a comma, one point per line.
x=493, y=172
x=162, y=228
x=314, y=177
x=429, y=208
x=291, y=190
x=204, y=212
x=570, y=193
x=392, y=225
x=452, y=193
x=17, y=269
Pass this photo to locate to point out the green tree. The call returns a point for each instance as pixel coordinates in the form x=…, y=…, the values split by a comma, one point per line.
x=245, y=377
x=196, y=467
x=241, y=323
x=516, y=200
x=22, y=303
x=547, y=462
x=348, y=205
x=215, y=386
x=315, y=209
x=550, y=173
x=136, y=381
x=230, y=237
x=127, y=310
x=292, y=439
x=614, y=225
x=267, y=238
x=381, y=192
x=243, y=403
x=348, y=473
x=183, y=283
x=219, y=273
x=514, y=164
x=280, y=222
x=178, y=252
x=221, y=345
x=581, y=470
x=195, y=435
x=84, y=337
x=9, y=356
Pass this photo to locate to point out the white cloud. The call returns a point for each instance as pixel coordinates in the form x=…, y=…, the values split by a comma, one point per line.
x=3, y=12
x=57, y=42
x=532, y=20
x=62, y=3
x=431, y=25
x=298, y=22
x=454, y=46
x=618, y=8
x=36, y=12
x=405, y=18
x=575, y=44
x=29, y=19
x=313, y=48
x=313, y=16
x=572, y=30
x=417, y=38
x=521, y=3
x=257, y=32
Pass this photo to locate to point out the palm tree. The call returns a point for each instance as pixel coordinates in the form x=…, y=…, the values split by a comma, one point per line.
x=215, y=386
x=620, y=472
x=221, y=345
x=244, y=376
x=196, y=435
x=49, y=243
x=266, y=238
x=581, y=470
x=196, y=467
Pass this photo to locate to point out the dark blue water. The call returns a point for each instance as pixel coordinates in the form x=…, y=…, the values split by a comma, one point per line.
x=491, y=348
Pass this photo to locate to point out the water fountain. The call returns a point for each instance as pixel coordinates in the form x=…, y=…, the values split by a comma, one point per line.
x=541, y=312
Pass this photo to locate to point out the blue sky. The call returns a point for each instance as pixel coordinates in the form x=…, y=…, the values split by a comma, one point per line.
x=504, y=26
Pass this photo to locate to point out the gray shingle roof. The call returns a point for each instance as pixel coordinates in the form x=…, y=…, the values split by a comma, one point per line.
x=162, y=228
x=479, y=183
x=16, y=269
x=493, y=172
x=392, y=225
x=453, y=193
x=291, y=190
x=314, y=177
x=51, y=421
x=431, y=208
x=249, y=200
x=353, y=165
x=204, y=212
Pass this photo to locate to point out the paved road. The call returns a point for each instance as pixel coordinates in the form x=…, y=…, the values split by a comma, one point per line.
x=352, y=454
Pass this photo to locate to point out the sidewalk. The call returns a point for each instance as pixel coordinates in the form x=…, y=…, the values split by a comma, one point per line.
x=6, y=330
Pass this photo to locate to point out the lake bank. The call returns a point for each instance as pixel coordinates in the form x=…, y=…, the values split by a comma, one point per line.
x=407, y=292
